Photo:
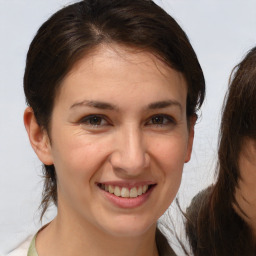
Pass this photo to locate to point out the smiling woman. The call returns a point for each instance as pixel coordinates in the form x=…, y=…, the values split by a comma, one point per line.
x=112, y=89
x=117, y=141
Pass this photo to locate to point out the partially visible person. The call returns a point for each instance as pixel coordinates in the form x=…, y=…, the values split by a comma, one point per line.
x=113, y=88
x=221, y=220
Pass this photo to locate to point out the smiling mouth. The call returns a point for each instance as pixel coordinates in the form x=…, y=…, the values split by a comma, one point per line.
x=124, y=191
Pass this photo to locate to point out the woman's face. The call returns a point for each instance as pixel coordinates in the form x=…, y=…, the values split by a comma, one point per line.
x=246, y=190
x=119, y=140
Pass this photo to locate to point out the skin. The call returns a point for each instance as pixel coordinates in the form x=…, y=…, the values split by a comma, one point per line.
x=140, y=135
x=246, y=191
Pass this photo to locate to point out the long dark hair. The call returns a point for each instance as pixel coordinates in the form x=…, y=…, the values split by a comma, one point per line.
x=77, y=29
x=213, y=226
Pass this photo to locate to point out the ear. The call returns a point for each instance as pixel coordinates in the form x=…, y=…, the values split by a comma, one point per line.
x=191, y=131
x=38, y=137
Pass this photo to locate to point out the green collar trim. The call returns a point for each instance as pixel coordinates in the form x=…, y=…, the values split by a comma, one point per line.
x=32, y=248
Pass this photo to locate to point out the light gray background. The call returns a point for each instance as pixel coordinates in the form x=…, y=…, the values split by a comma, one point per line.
x=221, y=31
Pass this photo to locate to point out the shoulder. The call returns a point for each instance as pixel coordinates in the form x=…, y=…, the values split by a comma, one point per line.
x=193, y=215
x=22, y=249
x=198, y=201
x=163, y=246
x=202, y=195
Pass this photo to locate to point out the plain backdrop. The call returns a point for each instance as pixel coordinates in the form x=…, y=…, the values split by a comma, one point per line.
x=221, y=32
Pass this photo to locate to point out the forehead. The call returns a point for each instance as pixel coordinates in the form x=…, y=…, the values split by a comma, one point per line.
x=111, y=67
x=120, y=55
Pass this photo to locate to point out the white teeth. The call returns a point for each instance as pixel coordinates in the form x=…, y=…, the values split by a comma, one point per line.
x=133, y=192
x=111, y=189
x=117, y=191
x=139, y=190
x=124, y=191
x=145, y=188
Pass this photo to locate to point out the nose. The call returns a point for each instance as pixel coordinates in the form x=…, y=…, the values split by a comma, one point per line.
x=129, y=155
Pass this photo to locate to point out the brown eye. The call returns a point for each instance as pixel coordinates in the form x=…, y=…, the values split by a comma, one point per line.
x=157, y=120
x=95, y=120
x=161, y=120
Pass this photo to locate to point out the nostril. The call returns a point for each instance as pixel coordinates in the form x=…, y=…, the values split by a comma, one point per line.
x=130, y=162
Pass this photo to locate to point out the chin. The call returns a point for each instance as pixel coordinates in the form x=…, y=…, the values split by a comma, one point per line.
x=130, y=228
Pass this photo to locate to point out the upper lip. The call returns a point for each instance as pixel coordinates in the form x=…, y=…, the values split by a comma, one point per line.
x=127, y=184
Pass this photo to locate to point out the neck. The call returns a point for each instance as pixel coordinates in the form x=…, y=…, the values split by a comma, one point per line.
x=246, y=190
x=72, y=238
x=247, y=210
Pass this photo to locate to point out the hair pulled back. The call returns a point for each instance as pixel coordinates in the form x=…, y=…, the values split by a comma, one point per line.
x=77, y=29
x=213, y=226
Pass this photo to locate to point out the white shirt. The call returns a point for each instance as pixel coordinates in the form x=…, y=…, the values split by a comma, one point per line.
x=22, y=249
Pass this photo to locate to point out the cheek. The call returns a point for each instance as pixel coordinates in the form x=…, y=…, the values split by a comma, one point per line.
x=78, y=158
x=170, y=152
x=77, y=162
x=169, y=155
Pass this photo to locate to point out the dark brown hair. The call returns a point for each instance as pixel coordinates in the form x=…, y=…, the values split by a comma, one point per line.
x=213, y=227
x=79, y=28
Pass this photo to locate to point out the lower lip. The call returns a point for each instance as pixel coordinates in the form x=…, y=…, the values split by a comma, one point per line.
x=128, y=203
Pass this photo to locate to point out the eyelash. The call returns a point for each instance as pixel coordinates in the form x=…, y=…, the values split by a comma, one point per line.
x=165, y=120
x=89, y=119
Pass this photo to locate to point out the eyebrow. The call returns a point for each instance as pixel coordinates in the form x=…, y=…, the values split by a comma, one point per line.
x=95, y=104
x=108, y=106
x=164, y=104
